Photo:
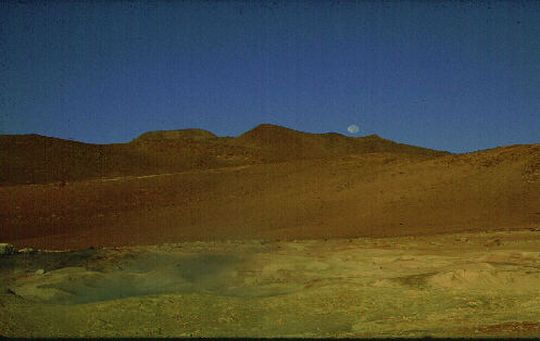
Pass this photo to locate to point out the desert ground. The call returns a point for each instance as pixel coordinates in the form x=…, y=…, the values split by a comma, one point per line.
x=272, y=233
x=464, y=284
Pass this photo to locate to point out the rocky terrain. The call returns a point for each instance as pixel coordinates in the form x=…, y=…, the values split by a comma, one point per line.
x=466, y=285
x=274, y=232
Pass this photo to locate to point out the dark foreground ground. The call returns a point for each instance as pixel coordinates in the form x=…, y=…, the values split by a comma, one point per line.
x=467, y=284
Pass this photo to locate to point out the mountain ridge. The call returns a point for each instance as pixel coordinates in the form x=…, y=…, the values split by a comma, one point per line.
x=33, y=158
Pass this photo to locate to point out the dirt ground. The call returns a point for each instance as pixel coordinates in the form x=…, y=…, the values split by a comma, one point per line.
x=464, y=284
x=368, y=195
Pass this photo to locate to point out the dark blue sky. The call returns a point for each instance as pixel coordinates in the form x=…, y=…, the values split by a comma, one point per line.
x=456, y=76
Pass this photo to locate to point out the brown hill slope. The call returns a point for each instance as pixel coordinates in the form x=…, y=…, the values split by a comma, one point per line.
x=279, y=143
x=40, y=159
x=27, y=159
x=186, y=134
x=366, y=194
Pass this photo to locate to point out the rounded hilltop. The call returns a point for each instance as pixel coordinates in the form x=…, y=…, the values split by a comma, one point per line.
x=267, y=131
x=179, y=134
x=270, y=132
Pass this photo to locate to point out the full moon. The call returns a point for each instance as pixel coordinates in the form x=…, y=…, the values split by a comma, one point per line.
x=353, y=129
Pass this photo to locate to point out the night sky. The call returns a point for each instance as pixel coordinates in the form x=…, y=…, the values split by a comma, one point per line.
x=457, y=76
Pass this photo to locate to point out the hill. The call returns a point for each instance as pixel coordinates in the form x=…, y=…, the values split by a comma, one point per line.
x=183, y=134
x=32, y=159
x=380, y=189
x=279, y=143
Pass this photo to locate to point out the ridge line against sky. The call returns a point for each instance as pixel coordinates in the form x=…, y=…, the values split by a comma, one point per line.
x=456, y=76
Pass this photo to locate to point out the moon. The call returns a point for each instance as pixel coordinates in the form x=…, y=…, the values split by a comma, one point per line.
x=353, y=129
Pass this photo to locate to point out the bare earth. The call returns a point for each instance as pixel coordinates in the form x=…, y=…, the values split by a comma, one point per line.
x=467, y=284
x=365, y=195
x=272, y=233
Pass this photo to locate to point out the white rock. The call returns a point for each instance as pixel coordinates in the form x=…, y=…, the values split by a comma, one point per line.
x=40, y=272
x=6, y=249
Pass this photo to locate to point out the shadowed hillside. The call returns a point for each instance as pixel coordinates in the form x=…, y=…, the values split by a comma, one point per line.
x=185, y=134
x=279, y=143
x=27, y=159
x=257, y=186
